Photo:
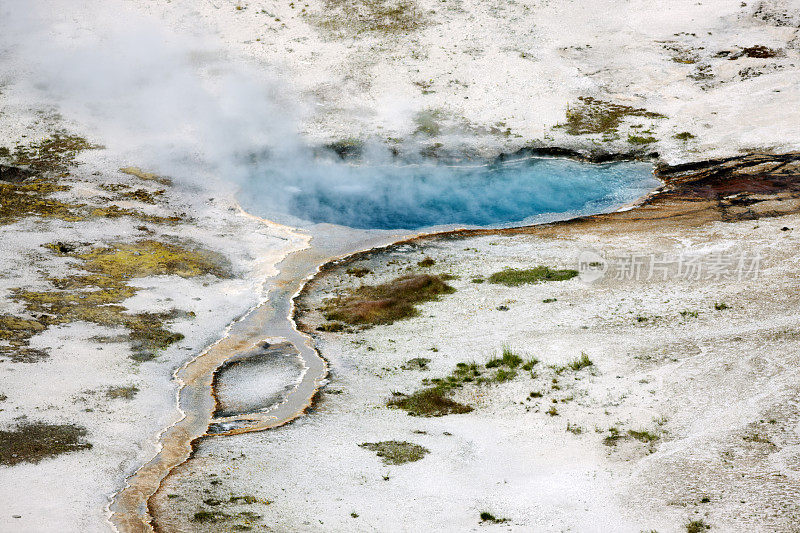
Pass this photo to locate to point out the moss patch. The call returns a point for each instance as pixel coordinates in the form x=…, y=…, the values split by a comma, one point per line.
x=513, y=277
x=369, y=16
x=122, y=393
x=52, y=154
x=31, y=198
x=385, y=303
x=96, y=294
x=429, y=402
x=30, y=442
x=641, y=140
x=396, y=452
x=592, y=116
x=417, y=363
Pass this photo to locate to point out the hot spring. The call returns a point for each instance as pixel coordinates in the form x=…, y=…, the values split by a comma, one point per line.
x=392, y=196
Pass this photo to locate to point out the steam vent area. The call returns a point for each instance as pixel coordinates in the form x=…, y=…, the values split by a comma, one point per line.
x=347, y=266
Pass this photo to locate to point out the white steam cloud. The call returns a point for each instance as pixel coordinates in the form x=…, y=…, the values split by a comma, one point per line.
x=178, y=102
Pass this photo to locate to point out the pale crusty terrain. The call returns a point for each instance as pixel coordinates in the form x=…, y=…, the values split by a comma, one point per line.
x=689, y=411
x=496, y=76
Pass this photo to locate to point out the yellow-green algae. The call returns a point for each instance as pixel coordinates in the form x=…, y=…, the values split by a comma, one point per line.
x=49, y=160
x=51, y=154
x=95, y=294
x=593, y=116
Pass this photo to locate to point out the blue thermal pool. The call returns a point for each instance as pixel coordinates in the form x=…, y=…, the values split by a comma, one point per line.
x=395, y=196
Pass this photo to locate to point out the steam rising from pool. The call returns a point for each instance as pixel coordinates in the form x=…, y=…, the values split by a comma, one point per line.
x=396, y=196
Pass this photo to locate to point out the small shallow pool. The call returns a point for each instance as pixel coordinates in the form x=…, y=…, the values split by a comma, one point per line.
x=395, y=196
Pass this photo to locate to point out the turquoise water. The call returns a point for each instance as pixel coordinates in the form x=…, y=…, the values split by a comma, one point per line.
x=394, y=196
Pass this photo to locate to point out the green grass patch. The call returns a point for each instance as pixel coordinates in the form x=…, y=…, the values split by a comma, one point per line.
x=385, y=303
x=502, y=375
x=513, y=277
x=394, y=452
x=508, y=359
x=576, y=364
x=580, y=363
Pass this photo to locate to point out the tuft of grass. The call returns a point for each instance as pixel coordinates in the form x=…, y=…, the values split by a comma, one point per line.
x=477, y=280
x=385, y=303
x=529, y=364
x=576, y=430
x=429, y=402
x=577, y=364
x=549, y=300
x=30, y=442
x=580, y=363
x=508, y=359
x=513, y=277
x=721, y=306
x=552, y=411
x=427, y=262
x=503, y=375
x=689, y=314
x=122, y=393
x=394, y=452
x=697, y=526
